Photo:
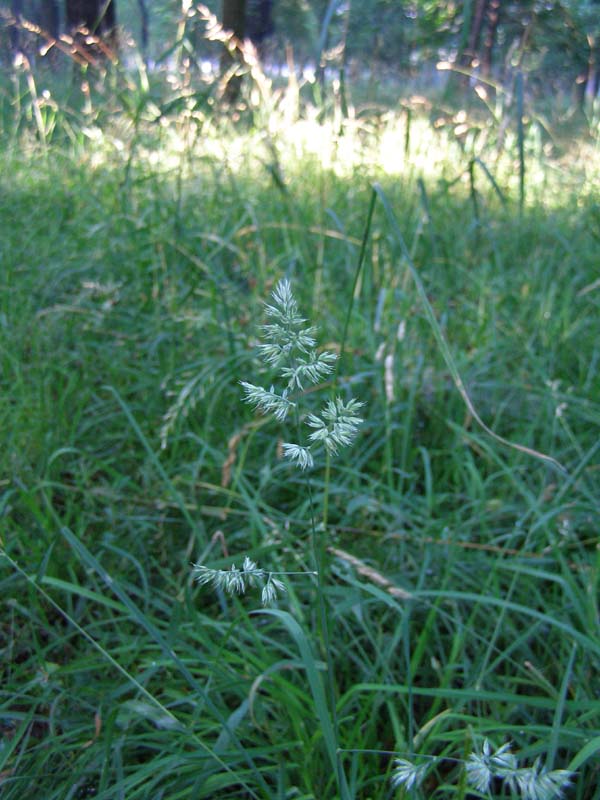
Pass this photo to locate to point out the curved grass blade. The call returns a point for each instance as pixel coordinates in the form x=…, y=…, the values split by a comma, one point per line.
x=195, y=526
x=130, y=678
x=443, y=345
x=318, y=694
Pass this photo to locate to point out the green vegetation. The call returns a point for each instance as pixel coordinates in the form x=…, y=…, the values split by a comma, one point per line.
x=453, y=267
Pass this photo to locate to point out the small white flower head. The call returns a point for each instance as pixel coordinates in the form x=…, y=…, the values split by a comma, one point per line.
x=407, y=774
x=238, y=581
x=536, y=783
x=286, y=335
x=270, y=590
x=267, y=401
x=479, y=774
x=286, y=307
x=503, y=761
x=234, y=581
x=299, y=455
x=204, y=575
x=312, y=369
x=337, y=426
x=531, y=783
x=251, y=572
x=480, y=766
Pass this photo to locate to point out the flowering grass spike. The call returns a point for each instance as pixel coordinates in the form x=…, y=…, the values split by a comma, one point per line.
x=289, y=348
x=407, y=774
x=237, y=581
x=530, y=783
x=267, y=400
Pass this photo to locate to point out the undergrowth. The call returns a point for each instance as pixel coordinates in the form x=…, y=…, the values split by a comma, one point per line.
x=462, y=571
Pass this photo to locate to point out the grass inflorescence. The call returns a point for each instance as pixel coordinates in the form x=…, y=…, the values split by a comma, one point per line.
x=449, y=644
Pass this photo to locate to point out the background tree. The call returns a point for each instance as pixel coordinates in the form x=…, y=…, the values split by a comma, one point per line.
x=555, y=43
x=96, y=16
x=43, y=13
x=259, y=21
x=144, y=27
x=245, y=19
x=14, y=31
x=493, y=18
x=233, y=19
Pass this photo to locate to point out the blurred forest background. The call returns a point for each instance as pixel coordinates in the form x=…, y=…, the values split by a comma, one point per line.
x=385, y=47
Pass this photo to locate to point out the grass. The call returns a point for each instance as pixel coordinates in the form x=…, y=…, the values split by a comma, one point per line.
x=463, y=573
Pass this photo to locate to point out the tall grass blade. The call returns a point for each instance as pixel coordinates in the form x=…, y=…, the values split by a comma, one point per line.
x=520, y=138
x=444, y=349
x=195, y=526
x=560, y=707
x=491, y=179
x=590, y=750
x=107, y=656
x=473, y=190
x=359, y=266
x=318, y=694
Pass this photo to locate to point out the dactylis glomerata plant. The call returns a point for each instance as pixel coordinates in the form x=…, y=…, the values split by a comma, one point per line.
x=289, y=348
x=236, y=581
x=486, y=766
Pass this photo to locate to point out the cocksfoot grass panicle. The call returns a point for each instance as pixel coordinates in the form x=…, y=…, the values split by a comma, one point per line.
x=483, y=766
x=530, y=783
x=238, y=581
x=289, y=348
x=537, y=783
x=486, y=769
x=287, y=334
x=408, y=775
x=268, y=401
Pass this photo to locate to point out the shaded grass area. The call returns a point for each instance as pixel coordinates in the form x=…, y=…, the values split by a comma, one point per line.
x=132, y=291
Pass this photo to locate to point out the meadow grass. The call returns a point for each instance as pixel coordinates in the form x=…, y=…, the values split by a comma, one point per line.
x=462, y=574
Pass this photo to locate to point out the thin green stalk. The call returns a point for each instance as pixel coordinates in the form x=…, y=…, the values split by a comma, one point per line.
x=491, y=179
x=521, y=140
x=319, y=556
x=473, y=190
x=325, y=516
x=359, y=266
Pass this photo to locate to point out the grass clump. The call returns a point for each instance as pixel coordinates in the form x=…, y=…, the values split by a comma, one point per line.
x=448, y=644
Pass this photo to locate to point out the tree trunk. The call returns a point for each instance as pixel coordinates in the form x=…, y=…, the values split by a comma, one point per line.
x=15, y=33
x=475, y=32
x=144, y=19
x=48, y=17
x=98, y=17
x=490, y=36
x=234, y=20
x=469, y=49
x=259, y=21
x=234, y=17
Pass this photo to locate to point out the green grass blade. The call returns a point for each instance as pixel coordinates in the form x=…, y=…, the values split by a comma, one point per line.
x=560, y=707
x=318, y=693
x=443, y=345
x=196, y=526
